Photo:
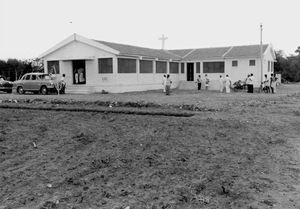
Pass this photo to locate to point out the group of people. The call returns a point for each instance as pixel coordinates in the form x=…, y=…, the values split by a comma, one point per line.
x=223, y=83
x=205, y=81
x=167, y=84
x=269, y=85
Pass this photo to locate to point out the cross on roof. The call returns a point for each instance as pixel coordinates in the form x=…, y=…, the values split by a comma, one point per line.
x=163, y=39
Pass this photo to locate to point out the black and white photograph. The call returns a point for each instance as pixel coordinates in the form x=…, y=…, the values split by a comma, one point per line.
x=171, y=104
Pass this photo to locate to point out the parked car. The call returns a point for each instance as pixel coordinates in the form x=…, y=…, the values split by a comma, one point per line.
x=35, y=82
x=5, y=85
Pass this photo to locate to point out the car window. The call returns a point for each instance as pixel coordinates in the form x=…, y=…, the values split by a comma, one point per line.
x=33, y=77
x=27, y=77
x=44, y=77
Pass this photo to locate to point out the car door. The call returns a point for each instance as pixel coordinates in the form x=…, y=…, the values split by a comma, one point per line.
x=26, y=82
x=33, y=85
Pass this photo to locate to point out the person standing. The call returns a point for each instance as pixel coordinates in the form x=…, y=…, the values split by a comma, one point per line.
x=227, y=84
x=199, y=82
x=221, y=83
x=251, y=82
x=266, y=84
x=247, y=82
x=63, y=83
x=273, y=83
x=168, y=85
x=206, y=79
x=164, y=83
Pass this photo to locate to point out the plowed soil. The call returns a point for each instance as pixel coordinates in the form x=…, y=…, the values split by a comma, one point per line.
x=246, y=154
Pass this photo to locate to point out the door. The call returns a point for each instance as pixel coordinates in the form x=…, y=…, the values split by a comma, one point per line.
x=190, y=72
x=27, y=82
x=79, y=74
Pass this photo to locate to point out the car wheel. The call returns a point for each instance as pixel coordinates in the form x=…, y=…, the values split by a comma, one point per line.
x=20, y=90
x=44, y=90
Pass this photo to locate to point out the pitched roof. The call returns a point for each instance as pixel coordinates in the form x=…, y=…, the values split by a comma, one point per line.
x=141, y=51
x=220, y=52
x=245, y=51
x=205, y=53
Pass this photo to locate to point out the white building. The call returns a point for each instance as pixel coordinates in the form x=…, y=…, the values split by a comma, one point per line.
x=92, y=65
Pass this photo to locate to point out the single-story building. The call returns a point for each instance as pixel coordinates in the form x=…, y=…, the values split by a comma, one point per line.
x=93, y=65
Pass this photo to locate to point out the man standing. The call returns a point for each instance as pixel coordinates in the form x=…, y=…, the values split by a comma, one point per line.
x=168, y=85
x=227, y=84
x=251, y=82
x=266, y=84
x=199, y=82
x=273, y=83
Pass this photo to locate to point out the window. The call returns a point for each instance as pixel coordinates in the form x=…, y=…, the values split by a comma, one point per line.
x=213, y=67
x=234, y=63
x=53, y=67
x=126, y=65
x=44, y=76
x=27, y=77
x=146, y=66
x=251, y=62
x=105, y=65
x=174, y=67
x=161, y=67
x=198, y=67
x=33, y=77
x=272, y=67
x=182, y=67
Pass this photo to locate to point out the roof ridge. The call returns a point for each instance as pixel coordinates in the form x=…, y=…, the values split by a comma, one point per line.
x=172, y=53
x=227, y=51
x=190, y=52
x=126, y=45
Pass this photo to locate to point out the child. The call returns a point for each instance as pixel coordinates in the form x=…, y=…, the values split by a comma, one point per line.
x=221, y=83
x=164, y=83
x=206, y=82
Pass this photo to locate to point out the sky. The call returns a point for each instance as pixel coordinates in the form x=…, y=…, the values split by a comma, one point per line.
x=31, y=27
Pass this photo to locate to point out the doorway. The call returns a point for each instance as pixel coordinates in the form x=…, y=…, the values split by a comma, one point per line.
x=79, y=75
x=190, y=72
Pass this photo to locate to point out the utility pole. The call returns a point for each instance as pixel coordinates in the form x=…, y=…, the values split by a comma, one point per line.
x=163, y=39
x=261, y=54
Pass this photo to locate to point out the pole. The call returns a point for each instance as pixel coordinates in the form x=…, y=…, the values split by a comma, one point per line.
x=261, y=54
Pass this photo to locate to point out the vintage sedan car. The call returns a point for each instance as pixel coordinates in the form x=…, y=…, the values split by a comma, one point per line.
x=5, y=85
x=35, y=82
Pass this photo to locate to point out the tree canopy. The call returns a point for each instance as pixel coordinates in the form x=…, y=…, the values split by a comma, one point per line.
x=288, y=66
x=13, y=69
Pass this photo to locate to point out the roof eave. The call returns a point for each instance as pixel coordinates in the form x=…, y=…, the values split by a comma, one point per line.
x=76, y=37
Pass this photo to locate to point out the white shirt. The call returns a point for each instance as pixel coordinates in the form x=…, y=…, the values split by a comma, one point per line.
x=227, y=81
x=251, y=80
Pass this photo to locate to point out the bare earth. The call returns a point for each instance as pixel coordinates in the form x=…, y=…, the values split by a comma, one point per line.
x=237, y=151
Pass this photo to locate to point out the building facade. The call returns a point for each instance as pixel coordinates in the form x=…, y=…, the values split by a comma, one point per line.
x=92, y=66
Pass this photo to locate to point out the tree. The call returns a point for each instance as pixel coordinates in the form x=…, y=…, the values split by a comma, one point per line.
x=298, y=50
x=289, y=66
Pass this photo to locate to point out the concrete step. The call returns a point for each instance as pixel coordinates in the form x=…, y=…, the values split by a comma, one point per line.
x=80, y=89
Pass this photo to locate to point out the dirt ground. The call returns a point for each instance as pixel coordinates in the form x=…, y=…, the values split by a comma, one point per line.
x=237, y=151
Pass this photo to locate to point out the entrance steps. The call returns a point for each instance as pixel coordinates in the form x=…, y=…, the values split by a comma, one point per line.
x=78, y=89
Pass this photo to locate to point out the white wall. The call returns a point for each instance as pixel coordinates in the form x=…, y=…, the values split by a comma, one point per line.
x=241, y=71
